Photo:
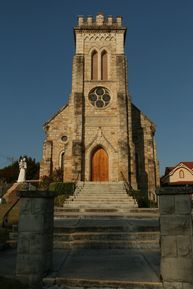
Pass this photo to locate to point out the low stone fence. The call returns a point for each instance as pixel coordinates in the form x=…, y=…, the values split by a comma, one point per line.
x=35, y=236
x=176, y=238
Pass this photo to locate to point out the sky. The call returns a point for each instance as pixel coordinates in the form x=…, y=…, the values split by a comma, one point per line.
x=36, y=50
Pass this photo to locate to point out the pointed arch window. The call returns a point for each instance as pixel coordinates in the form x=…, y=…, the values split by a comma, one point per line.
x=181, y=174
x=104, y=65
x=62, y=163
x=94, y=65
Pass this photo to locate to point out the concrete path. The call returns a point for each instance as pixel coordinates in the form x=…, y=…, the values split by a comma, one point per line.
x=109, y=264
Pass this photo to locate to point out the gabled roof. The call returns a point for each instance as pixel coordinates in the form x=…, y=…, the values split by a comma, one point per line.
x=59, y=111
x=145, y=116
x=168, y=170
x=171, y=170
x=188, y=164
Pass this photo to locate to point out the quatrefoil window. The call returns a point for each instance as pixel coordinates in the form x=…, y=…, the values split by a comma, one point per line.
x=99, y=97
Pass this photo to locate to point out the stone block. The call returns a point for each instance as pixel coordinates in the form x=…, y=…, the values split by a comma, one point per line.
x=25, y=206
x=169, y=246
x=48, y=261
x=23, y=244
x=38, y=206
x=29, y=264
x=184, y=245
x=187, y=285
x=31, y=223
x=40, y=244
x=177, y=269
x=175, y=225
x=167, y=204
x=173, y=285
x=183, y=204
x=34, y=281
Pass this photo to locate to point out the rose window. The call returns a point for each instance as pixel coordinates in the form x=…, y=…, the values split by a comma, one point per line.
x=99, y=97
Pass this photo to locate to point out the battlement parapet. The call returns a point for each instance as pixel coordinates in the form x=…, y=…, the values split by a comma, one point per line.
x=99, y=22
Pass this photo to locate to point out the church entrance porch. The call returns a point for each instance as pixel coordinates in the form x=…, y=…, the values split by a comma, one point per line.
x=99, y=165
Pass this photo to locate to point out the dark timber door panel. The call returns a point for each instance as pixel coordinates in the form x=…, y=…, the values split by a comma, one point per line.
x=100, y=166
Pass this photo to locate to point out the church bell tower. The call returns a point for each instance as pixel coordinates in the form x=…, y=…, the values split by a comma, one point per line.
x=102, y=108
x=99, y=135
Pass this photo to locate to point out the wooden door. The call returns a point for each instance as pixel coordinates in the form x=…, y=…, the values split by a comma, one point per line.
x=100, y=166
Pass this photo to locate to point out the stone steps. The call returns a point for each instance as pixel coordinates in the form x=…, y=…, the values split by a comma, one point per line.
x=106, y=233
x=99, y=241
x=70, y=211
x=118, y=244
x=76, y=283
x=107, y=239
x=107, y=202
x=99, y=197
x=102, y=196
x=141, y=212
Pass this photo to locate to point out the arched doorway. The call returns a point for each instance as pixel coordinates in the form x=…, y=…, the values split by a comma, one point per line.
x=99, y=165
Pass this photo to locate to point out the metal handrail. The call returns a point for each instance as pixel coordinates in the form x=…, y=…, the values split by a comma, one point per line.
x=5, y=217
x=127, y=185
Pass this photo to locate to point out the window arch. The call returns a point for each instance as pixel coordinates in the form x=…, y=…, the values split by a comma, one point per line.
x=104, y=65
x=94, y=65
x=181, y=174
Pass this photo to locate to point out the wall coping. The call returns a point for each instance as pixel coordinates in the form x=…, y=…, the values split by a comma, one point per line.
x=185, y=190
x=37, y=194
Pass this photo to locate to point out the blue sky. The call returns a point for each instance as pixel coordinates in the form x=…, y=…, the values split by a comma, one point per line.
x=36, y=49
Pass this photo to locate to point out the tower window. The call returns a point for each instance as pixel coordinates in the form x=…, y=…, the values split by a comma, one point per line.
x=94, y=65
x=104, y=65
x=99, y=97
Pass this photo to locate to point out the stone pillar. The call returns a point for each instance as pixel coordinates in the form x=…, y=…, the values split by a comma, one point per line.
x=35, y=236
x=78, y=117
x=176, y=238
x=122, y=111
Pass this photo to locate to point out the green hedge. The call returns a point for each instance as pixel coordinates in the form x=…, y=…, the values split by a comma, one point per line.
x=142, y=199
x=64, y=190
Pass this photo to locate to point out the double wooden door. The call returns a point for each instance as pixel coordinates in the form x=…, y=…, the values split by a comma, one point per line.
x=100, y=166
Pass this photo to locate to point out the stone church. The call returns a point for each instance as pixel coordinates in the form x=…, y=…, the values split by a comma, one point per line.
x=100, y=135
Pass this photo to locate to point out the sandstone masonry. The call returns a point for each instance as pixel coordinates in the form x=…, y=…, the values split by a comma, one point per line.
x=176, y=238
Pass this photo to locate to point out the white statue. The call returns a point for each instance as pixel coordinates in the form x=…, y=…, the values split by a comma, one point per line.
x=22, y=172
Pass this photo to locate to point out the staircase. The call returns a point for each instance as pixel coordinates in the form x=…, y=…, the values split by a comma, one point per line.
x=107, y=233
x=103, y=216
x=99, y=198
x=103, y=240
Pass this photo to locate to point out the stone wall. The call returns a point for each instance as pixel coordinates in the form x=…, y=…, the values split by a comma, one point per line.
x=147, y=167
x=176, y=238
x=35, y=236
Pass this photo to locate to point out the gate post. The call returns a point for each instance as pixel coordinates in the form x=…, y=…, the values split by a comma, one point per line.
x=176, y=237
x=35, y=236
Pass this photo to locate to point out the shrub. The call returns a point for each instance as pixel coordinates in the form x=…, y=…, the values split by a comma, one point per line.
x=142, y=199
x=64, y=190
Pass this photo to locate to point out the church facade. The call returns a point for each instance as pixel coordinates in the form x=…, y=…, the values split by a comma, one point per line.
x=99, y=135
